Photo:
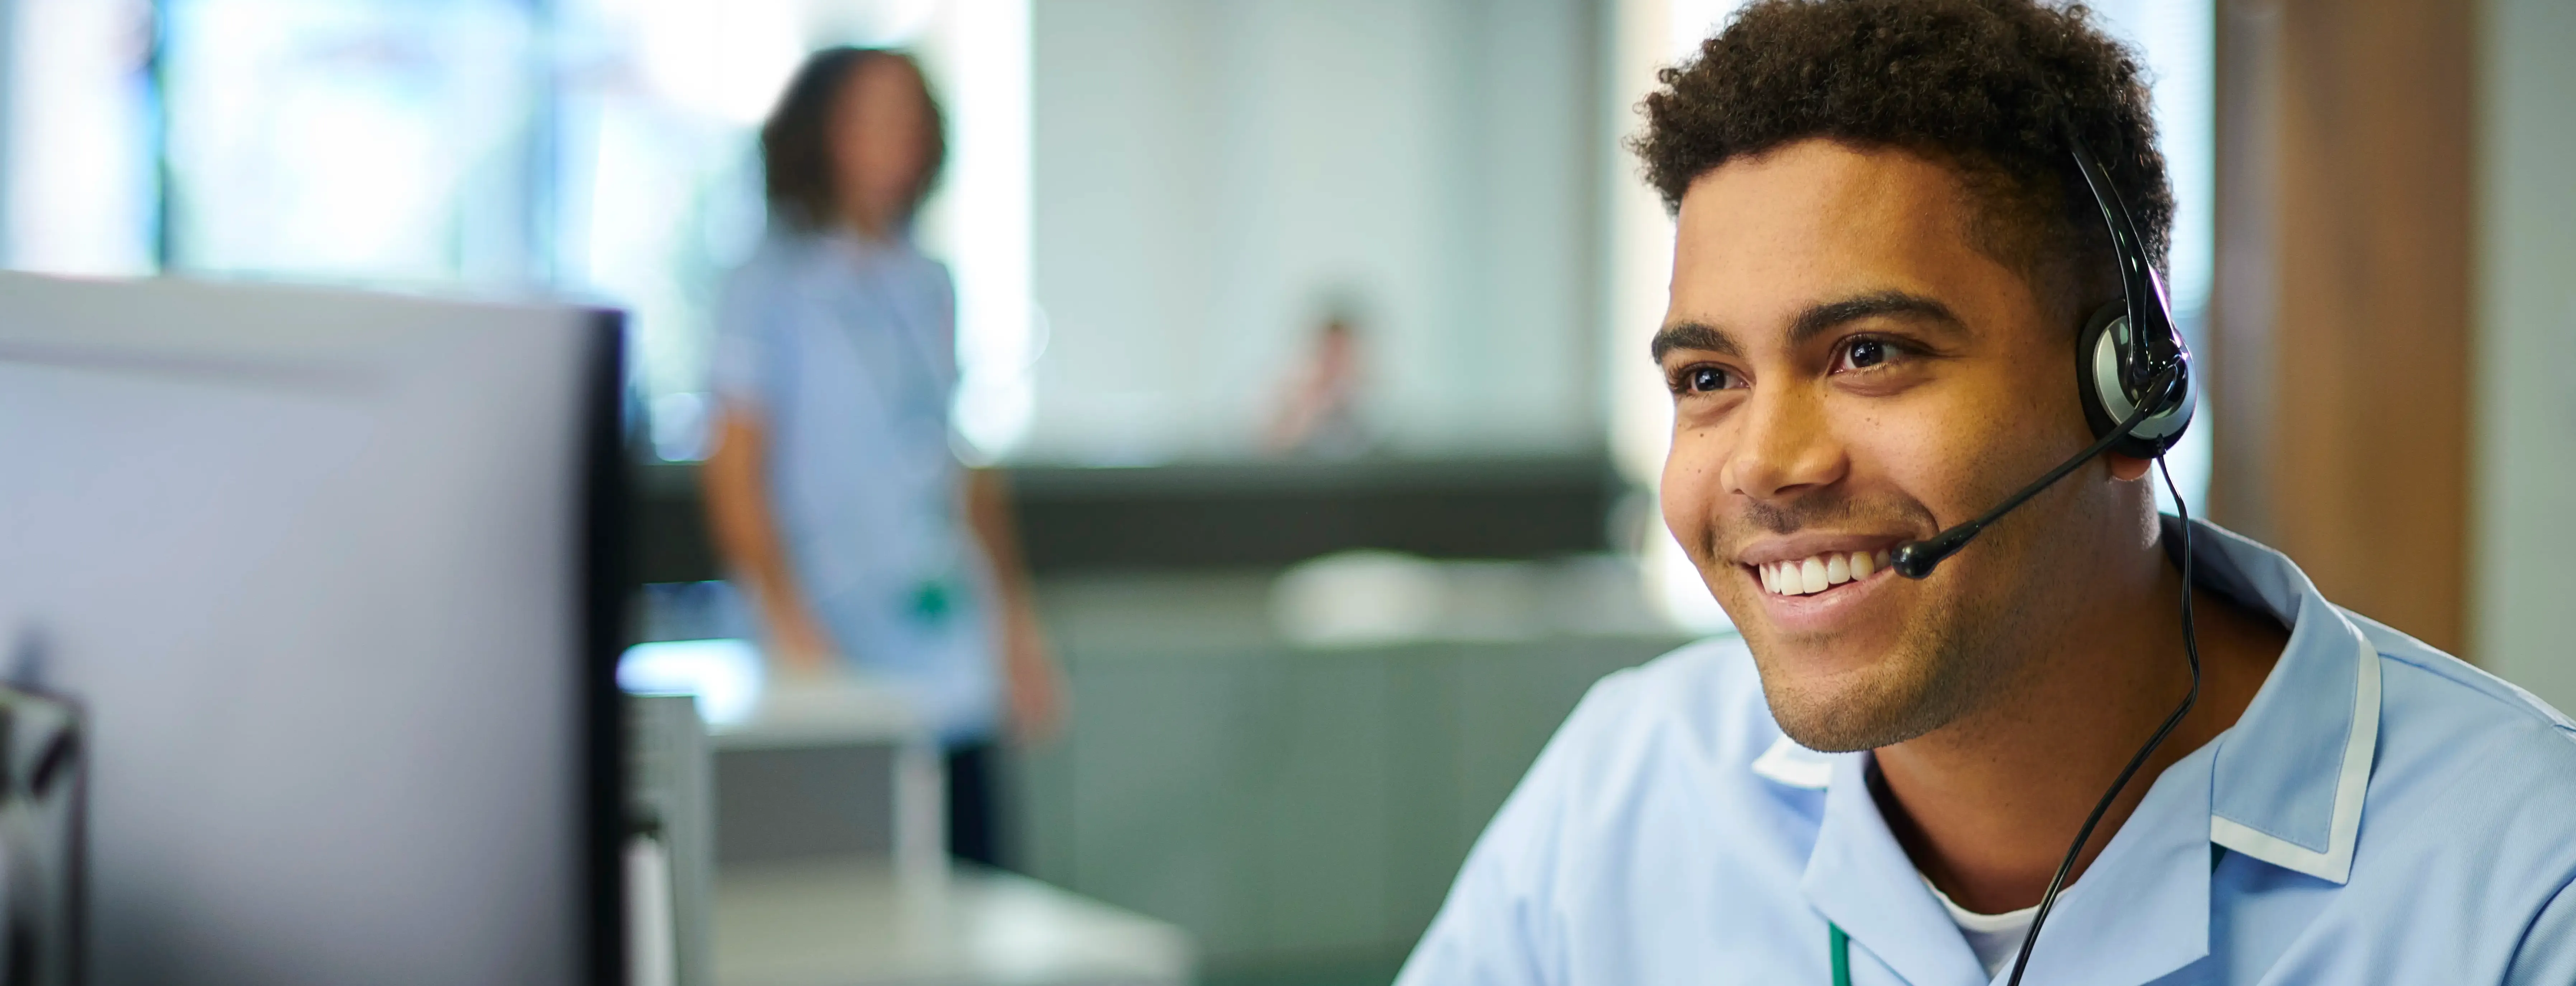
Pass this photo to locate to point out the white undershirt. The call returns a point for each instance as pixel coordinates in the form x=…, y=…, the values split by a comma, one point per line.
x=1996, y=938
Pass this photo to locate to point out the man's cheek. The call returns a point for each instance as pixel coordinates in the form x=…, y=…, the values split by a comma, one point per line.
x=1689, y=498
x=1688, y=528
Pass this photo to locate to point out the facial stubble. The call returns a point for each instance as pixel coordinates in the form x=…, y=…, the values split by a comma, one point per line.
x=1944, y=666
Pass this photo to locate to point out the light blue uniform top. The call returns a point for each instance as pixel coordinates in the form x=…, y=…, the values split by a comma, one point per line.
x=847, y=351
x=2382, y=813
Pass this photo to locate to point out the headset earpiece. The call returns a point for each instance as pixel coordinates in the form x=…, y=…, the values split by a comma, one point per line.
x=2108, y=354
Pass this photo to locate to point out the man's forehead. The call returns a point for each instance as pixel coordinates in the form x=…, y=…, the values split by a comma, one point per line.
x=1762, y=242
x=1818, y=201
x=1831, y=176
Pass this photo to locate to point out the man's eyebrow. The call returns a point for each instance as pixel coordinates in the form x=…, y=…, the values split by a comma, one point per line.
x=1694, y=335
x=1814, y=321
x=1817, y=320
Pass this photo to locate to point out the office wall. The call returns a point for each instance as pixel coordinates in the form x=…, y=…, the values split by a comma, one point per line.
x=2525, y=458
x=8, y=115
x=1209, y=177
x=2341, y=365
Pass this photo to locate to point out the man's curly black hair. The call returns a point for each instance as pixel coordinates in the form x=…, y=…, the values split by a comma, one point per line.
x=1977, y=84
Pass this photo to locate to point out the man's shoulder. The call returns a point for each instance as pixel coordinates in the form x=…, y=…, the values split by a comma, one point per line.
x=2432, y=697
x=1698, y=709
x=1655, y=770
x=2466, y=757
x=1707, y=685
x=1641, y=827
x=2458, y=680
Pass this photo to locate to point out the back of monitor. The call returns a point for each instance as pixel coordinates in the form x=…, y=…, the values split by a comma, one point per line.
x=328, y=576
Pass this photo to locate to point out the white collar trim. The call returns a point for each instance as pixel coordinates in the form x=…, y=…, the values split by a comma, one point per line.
x=2351, y=783
x=1789, y=764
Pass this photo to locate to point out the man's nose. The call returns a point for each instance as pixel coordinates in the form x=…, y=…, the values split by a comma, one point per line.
x=1786, y=448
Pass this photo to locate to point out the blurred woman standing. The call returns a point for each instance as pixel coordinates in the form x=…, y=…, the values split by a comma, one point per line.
x=834, y=493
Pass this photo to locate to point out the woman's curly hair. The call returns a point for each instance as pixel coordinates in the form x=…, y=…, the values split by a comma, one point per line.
x=1978, y=84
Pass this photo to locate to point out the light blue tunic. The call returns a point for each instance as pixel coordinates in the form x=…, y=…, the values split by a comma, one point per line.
x=2382, y=813
x=846, y=349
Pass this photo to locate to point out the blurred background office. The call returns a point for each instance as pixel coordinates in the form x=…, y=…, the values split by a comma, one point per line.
x=1310, y=337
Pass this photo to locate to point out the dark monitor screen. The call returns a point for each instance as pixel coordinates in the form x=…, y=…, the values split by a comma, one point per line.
x=328, y=577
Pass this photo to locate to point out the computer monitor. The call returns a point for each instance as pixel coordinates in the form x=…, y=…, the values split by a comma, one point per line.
x=331, y=579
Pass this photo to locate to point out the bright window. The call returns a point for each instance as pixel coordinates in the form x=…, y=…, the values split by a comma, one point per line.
x=593, y=149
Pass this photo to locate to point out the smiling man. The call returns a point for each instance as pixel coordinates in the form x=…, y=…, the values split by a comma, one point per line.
x=1891, y=280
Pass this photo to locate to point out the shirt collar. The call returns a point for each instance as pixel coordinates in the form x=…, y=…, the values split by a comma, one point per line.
x=2291, y=775
x=1861, y=880
x=2285, y=785
x=2155, y=920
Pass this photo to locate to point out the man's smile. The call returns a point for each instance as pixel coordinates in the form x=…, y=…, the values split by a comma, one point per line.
x=1819, y=572
x=1811, y=581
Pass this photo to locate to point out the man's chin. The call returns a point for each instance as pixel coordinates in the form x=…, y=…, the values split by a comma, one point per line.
x=1841, y=657
x=1878, y=675
x=1836, y=700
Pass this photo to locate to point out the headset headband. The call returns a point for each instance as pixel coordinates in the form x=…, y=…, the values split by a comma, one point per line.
x=2150, y=311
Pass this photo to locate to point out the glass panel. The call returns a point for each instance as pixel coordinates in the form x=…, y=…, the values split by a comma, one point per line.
x=379, y=141
x=657, y=162
x=80, y=196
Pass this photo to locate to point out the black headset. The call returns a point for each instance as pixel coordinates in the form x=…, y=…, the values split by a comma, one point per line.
x=2129, y=343
x=2132, y=371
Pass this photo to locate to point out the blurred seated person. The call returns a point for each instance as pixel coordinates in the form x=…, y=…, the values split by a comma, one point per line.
x=836, y=499
x=1320, y=414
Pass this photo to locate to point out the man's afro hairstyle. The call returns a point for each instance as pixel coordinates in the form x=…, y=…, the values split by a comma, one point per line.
x=1978, y=84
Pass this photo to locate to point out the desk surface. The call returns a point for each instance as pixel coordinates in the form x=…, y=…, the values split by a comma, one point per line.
x=849, y=922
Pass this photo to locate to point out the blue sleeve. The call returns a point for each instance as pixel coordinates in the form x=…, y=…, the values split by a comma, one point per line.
x=1499, y=925
x=2547, y=956
x=746, y=337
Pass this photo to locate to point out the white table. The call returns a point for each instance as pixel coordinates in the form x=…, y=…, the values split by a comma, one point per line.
x=853, y=922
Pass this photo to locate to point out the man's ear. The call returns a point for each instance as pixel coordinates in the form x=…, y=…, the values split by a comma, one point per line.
x=2127, y=469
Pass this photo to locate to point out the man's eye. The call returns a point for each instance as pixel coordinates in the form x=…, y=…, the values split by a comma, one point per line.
x=1704, y=379
x=1865, y=352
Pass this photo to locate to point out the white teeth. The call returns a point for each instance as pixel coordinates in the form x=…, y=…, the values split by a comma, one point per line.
x=1811, y=575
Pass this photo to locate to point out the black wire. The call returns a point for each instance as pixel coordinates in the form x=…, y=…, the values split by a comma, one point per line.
x=2191, y=649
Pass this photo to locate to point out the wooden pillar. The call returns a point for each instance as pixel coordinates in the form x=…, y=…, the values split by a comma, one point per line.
x=2341, y=320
